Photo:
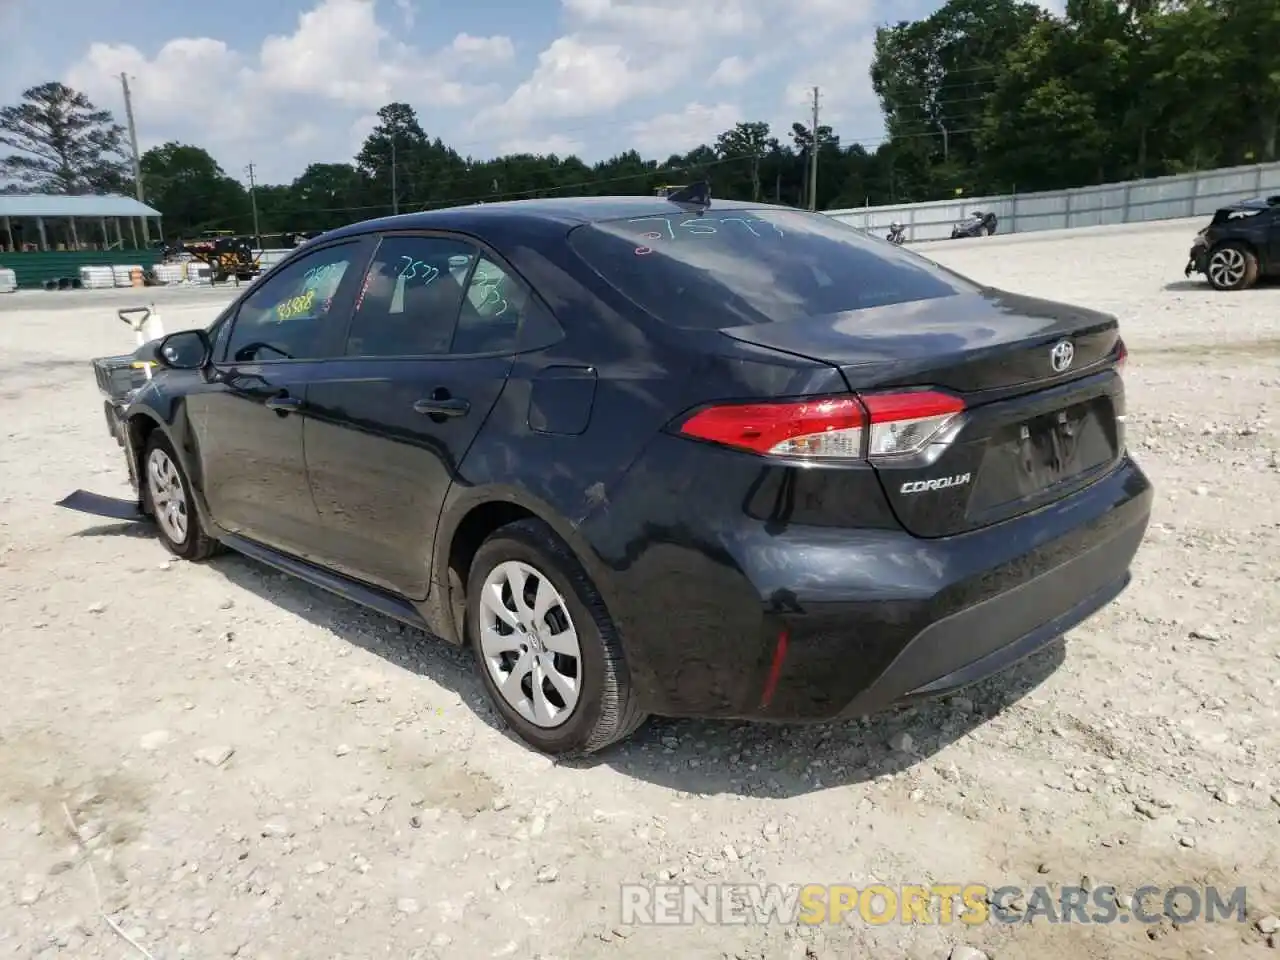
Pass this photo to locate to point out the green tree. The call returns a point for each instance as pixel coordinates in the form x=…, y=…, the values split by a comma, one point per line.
x=63, y=143
x=186, y=184
x=390, y=154
x=933, y=78
x=750, y=141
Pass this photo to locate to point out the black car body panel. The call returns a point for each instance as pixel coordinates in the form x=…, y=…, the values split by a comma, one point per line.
x=740, y=585
x=1253, y=223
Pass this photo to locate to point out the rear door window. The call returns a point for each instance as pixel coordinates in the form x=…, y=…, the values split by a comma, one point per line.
x=736, y=267
x=408, y=304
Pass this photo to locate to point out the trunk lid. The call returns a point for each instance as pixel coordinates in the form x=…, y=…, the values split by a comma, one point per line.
x=1034, y=429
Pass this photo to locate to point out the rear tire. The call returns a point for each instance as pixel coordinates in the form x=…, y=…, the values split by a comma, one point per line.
x=984, y=232
x=521, y=638
x=167, y=497
x=1232, y=266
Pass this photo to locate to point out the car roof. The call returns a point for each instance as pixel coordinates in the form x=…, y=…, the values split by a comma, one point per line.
x=1254, y=203
x=482, y=218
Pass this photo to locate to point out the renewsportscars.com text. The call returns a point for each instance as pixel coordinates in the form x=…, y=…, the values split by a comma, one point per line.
x=938, y=903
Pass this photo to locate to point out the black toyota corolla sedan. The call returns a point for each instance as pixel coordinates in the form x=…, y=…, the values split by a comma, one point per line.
x=654, y=455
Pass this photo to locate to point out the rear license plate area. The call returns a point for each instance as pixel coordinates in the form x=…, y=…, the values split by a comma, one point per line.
x=1045, y=453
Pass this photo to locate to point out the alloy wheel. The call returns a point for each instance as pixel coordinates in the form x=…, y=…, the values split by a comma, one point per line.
x=1226, y=267
x=168, y=499
x=529, y=644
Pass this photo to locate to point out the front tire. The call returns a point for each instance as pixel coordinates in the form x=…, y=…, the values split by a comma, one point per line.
x=546, y=649
x=167, y=496
x=1232, y=266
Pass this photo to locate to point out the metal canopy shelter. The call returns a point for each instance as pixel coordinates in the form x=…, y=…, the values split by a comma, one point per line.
x=44, y=222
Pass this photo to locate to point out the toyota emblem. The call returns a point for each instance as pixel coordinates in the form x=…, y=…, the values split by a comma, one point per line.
x=1061, y=356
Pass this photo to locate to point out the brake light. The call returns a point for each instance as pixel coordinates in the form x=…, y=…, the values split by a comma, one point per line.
x=1122, y=355
x=869, y=426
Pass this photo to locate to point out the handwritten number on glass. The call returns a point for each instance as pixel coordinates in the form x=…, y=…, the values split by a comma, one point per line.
x=411, y=269
x=295, y=306
x=671, y=228
x=492, y=296
x=329, y=272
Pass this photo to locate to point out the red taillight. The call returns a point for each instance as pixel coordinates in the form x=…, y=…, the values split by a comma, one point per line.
x=1122, y=355
x=872, y=425
x=826, y=427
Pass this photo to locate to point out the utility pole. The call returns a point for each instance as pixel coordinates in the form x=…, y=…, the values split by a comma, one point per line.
x=137, y=157
x=395, y=194
x=813, y=156
x=253, y=203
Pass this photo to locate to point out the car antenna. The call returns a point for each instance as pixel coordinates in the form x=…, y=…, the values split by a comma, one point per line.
x=695, y=195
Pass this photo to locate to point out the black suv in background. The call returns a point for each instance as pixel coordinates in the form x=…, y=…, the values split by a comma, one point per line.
x=651, y=455
x=1241, y=245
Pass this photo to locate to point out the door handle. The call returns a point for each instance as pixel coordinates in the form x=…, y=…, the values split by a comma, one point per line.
x=283, y=403
x=446, y=407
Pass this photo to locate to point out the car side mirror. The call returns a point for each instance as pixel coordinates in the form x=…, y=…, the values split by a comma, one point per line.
x=184, y=350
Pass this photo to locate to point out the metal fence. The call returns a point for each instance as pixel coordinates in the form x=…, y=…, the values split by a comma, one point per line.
x=1162, y=198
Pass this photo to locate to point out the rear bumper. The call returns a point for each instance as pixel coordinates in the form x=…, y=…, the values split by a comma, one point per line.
x=989, y=637
x=850, y=622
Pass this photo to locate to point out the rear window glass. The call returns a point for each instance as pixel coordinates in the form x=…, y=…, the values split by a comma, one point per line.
x=738, y=267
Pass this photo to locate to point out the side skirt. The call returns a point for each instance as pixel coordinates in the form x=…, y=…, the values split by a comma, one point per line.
x=388, y=604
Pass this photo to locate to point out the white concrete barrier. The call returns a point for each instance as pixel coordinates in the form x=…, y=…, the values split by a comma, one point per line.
x=97, y=277
x=123, y=274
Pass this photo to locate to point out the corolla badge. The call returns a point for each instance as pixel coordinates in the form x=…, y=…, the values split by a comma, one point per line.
x=1061, y=356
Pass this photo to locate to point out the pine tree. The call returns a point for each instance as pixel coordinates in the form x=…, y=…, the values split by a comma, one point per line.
x=63, y=143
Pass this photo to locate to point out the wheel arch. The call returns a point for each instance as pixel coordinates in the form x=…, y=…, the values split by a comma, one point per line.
x=1236, y=242
x=471, y=519
x=142, y=422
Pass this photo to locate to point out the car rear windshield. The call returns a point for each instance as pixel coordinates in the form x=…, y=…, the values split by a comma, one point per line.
x=736, y=267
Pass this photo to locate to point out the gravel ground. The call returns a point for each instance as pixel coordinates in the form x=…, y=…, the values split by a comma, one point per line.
x=256, y=769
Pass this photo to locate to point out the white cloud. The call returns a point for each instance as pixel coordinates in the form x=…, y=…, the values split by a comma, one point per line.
x=483, y=49
x=668, y=21
x=339, y=58
x=604, y=79
x=556, y=143
x=732, y=71
x=575, y=78
x=840, y=102
x=340, y=52
x=408, y=13
x=680, y=132
x=622, y=57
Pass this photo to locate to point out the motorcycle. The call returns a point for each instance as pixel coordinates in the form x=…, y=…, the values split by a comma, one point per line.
x=897, y=234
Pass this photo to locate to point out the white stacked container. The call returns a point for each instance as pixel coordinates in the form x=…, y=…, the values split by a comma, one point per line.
x=8, y=281
x=199, y=272
x=169, y=272
x=97, y=277
x=123, y=274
